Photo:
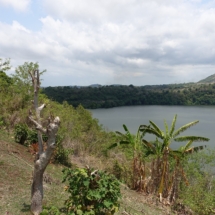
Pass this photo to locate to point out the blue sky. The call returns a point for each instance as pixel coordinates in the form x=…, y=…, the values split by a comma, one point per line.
x=139, y=42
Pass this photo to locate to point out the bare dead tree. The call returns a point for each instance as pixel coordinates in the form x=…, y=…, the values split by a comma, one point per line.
x=44, y=156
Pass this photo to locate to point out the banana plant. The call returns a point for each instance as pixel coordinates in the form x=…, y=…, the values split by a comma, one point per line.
x=161, y=148
x=138, y=163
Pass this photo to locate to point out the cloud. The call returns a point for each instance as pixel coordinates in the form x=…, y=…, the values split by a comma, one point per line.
x=20, y=5
x=128, y=41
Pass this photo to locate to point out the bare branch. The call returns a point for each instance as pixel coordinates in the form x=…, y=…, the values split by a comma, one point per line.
x=41, y=107
x=38, y=126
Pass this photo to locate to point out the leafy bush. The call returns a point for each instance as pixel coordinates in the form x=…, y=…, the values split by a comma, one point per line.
x=51, y=211
x=91, y=192
x=28, y=137
x=61, y=154
x=199, y=195
x=21, y=133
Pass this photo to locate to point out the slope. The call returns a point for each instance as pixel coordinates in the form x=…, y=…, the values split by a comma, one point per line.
x=16, y=166
x=209, y=80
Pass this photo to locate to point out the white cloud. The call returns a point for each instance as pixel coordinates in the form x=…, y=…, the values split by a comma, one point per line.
x=19, y=5
x=126, y=41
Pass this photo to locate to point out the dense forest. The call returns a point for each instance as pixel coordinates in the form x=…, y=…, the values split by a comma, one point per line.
x=121, y=95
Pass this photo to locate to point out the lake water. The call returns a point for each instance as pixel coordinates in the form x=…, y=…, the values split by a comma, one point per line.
x=112, y=119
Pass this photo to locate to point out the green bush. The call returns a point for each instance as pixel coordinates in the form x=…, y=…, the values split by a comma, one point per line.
x=199, y=195
x=21, y=133
x=91, y=192
x=26, y=136
x=61, y=154
x=51, y=211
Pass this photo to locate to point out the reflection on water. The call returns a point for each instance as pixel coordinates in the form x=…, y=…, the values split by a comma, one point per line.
x=112, y=119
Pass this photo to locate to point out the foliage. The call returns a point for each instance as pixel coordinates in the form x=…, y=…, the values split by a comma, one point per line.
x=121, y=95
x=61, y=154
x=25, y=135
x=21, y=133
x=138, y=164
x=28, y=137
x=164, y=163
x=164, y=178
x=91, y=191
x=200, y=194
x=51, y=211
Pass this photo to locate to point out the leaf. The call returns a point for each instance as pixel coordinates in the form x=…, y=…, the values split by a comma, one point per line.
x=79, y=212
x=195, y=149
x=86, y=183
x=184, y=127
x=156, y=128
x=166, y=127
x=152, y=131
x=173, y=125
x=107, y=204
x=192, y=138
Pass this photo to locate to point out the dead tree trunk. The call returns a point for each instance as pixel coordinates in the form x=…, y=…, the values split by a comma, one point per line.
x=44, y=156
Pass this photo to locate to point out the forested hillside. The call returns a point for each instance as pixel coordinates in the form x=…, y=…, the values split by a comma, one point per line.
x=120, y=95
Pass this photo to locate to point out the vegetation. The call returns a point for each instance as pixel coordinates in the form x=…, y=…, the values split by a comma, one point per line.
x=168, y=181
x=120, y=95
x=91, y=192
x=165, y=165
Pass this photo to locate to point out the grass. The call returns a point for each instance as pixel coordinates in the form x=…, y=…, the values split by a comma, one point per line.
x=16, y=167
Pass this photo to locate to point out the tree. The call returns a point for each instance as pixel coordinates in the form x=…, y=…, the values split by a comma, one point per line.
x=160, y=168
x=138, y=166
x=44, y=155
x=5, y=80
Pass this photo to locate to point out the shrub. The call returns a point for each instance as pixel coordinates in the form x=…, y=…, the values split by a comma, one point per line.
x=199, y=195
x=61, y=154
x=28, y=137
x=51, y=211
x=21, y=133
x=91, y=192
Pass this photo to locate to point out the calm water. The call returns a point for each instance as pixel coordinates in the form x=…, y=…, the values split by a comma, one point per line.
x=112, y=119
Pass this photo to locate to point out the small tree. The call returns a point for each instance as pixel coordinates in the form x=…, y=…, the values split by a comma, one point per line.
x=44, y=155
x=138, y=165
x=161, y=181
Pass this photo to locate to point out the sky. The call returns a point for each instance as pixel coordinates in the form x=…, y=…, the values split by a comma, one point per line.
x=84, y=42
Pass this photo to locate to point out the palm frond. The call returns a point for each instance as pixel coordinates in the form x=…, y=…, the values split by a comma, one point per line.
x=191, y=138
x=156, y=128
x=119, y=133
x=166, y=127
x=152, y=131
x=187, y=146
x=195, y=149
x=184, y=127
x=126, y=129
x=173, y=125
x=175, y=153
x=143, y=128
x=149, y=147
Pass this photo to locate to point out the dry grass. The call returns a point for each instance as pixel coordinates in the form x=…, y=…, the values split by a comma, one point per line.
x=16, y=166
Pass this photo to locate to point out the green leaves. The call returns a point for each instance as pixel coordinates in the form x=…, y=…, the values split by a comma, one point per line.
x=91, y=192
x=184, y=127
x=192, y=138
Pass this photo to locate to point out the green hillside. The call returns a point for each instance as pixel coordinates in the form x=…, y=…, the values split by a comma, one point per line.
x=154, y=178
x=209, y=80
x=16, y=167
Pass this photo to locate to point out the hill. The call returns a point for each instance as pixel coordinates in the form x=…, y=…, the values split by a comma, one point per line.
x=16, y=166
x=209, y=80
x=115, y=96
